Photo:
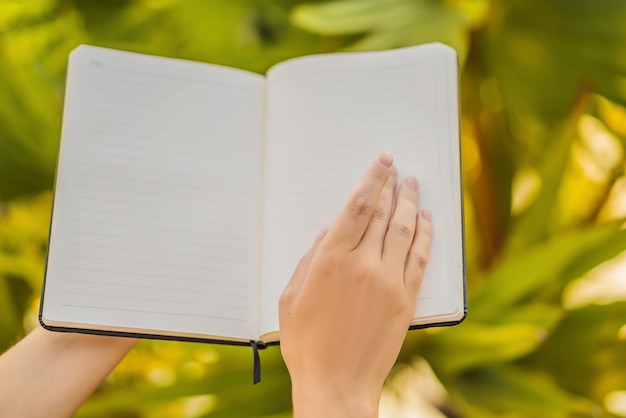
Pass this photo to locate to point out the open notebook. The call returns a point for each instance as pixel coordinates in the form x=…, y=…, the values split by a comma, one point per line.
x=186, y=193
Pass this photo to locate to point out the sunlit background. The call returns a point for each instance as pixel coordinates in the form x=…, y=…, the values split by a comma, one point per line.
x=544, y=130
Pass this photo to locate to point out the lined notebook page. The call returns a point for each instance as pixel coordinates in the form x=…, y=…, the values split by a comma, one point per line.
x=328, y=118
x=156, y=211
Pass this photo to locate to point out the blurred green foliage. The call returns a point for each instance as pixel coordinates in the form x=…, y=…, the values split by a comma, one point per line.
x=544, y=130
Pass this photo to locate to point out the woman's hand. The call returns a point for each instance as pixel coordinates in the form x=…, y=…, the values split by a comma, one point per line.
x=347, y=308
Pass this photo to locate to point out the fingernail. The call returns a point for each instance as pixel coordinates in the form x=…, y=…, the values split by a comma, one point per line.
x=321, y=235
x=386, y=159
x=411, y=183
x=394, y=171
x=426, y=215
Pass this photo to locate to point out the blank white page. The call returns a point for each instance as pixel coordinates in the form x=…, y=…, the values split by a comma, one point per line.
x=328, y=118
x=156, y=219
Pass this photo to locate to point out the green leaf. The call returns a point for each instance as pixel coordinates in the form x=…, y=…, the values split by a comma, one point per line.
x=248, y=34
x=28, y=140
x=517, y=393
x=350, y=16
x=544, y=52
x=15, y=13
x=388, y=24
x=586, y=353
x=471, y=345
x=541, y=315
x=534, y=224
x=521, y=274
x=32, y=74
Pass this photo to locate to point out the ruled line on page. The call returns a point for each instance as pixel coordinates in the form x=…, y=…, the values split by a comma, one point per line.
x=124, y=137
x=143, y=215
x=196, y=81
x=151, y=205
x=177, y=278
x=203, y=256
x=152, y=263
x=157, y=228
x=158, y=130
x=120, y=85
x=337, y=75
x=107, y=308
x=219, y=190
x=151, y=286
x=189, y=186
x=149, y=89
x=148, y=114
x=169, y=194
x=202, y=263
x=140, y=250
x=160, y=300
x=106, y=141
x=151, y=239
x=142, y=159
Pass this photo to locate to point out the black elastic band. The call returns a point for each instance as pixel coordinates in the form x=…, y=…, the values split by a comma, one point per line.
x=256, y=346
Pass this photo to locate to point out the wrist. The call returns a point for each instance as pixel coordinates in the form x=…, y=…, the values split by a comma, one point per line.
x=328, y=399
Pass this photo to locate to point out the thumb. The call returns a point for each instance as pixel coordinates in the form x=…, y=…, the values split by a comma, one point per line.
x=299, y=275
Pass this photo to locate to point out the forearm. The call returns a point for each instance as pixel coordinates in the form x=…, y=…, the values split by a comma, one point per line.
x=50, y=374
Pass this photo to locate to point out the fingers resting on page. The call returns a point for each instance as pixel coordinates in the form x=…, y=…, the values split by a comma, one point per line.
x=346, y=310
